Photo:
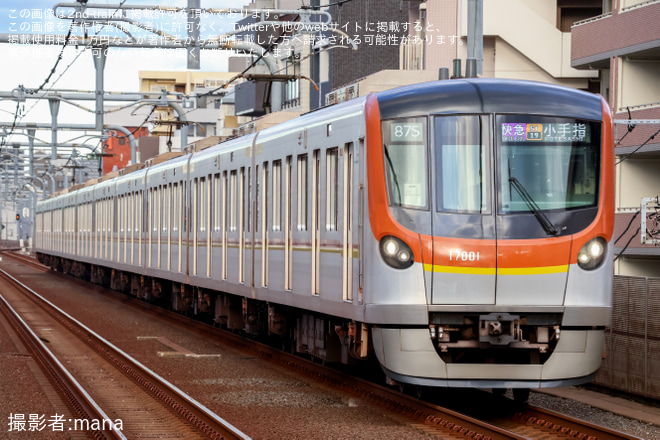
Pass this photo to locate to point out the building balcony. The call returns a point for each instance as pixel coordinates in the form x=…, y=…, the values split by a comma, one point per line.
x=632, y=32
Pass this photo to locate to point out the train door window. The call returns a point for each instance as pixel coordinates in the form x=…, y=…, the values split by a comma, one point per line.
x=233, y=177
x=406, y=164
x=331, y=201
x=461, y=165
x=302, y=193
x=316, y=221
x=203, y=205
x=176, y=207
x=277, y=195
x=162, y=201
x=184, y=207
x=257, y=193
x=217, y=213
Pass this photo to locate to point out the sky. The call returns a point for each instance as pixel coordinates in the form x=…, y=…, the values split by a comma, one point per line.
x=29, y=65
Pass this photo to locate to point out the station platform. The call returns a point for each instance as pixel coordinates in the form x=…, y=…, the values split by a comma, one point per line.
x=628, y=408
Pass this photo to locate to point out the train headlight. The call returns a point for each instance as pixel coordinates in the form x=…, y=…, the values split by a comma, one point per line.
x=396, y=253
x=592, y=254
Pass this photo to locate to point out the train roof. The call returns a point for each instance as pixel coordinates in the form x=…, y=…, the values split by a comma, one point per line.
x=489, y=96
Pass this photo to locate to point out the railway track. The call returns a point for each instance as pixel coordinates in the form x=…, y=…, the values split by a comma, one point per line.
x=111, y=395
x=513, y=422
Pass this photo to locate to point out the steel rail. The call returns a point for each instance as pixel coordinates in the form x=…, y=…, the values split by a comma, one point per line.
x=196, y=413
x=75, y=395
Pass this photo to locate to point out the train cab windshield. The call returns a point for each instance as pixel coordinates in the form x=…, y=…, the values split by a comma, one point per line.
x=542, y=164
x=550, y=163
x=406, y=162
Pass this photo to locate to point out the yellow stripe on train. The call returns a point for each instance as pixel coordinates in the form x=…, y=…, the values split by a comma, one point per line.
x=493, y=271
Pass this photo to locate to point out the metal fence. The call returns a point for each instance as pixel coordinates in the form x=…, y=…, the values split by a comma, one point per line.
x=632, y=363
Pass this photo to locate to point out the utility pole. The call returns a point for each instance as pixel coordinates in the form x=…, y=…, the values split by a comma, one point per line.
x=475, y=36
x=193, y=13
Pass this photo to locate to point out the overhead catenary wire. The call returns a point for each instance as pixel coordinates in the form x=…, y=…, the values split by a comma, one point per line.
x=627, y=244
x=627, y=156
x=628, y=227
x=57, y=61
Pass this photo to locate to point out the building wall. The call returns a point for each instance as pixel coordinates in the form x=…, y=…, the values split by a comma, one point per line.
x=637, y=267
x=638, y=82
x=442, y=24
x=637, y=178
x=623, y=45
x=508, y=50
x=354, y=18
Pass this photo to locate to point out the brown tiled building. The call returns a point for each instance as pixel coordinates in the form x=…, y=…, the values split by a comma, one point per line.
x=623, y=44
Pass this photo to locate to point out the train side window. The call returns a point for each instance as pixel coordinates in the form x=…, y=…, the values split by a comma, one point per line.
x=302, y=192
x=277, y=195
x=406, y=163
x=331, y=201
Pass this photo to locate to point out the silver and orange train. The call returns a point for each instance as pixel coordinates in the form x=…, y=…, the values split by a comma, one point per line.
x=458, y=231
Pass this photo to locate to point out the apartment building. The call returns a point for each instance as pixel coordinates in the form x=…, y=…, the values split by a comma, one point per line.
x=522, y=39
x=622, y=44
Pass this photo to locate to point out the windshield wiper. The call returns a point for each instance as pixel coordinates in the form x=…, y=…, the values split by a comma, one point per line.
x=396, y=181
x=549, y=228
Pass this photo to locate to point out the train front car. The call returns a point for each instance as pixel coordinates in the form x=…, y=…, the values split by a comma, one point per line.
x=492, y=206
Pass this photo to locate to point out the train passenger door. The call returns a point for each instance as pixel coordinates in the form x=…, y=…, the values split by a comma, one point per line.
x=302, y=233
x=175, y=229
x=464, y=246
x=316, y=222
x=348, y=217
x=233, y=251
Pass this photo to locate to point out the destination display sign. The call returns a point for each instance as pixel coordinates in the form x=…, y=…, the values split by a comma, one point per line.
x=567, y=132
